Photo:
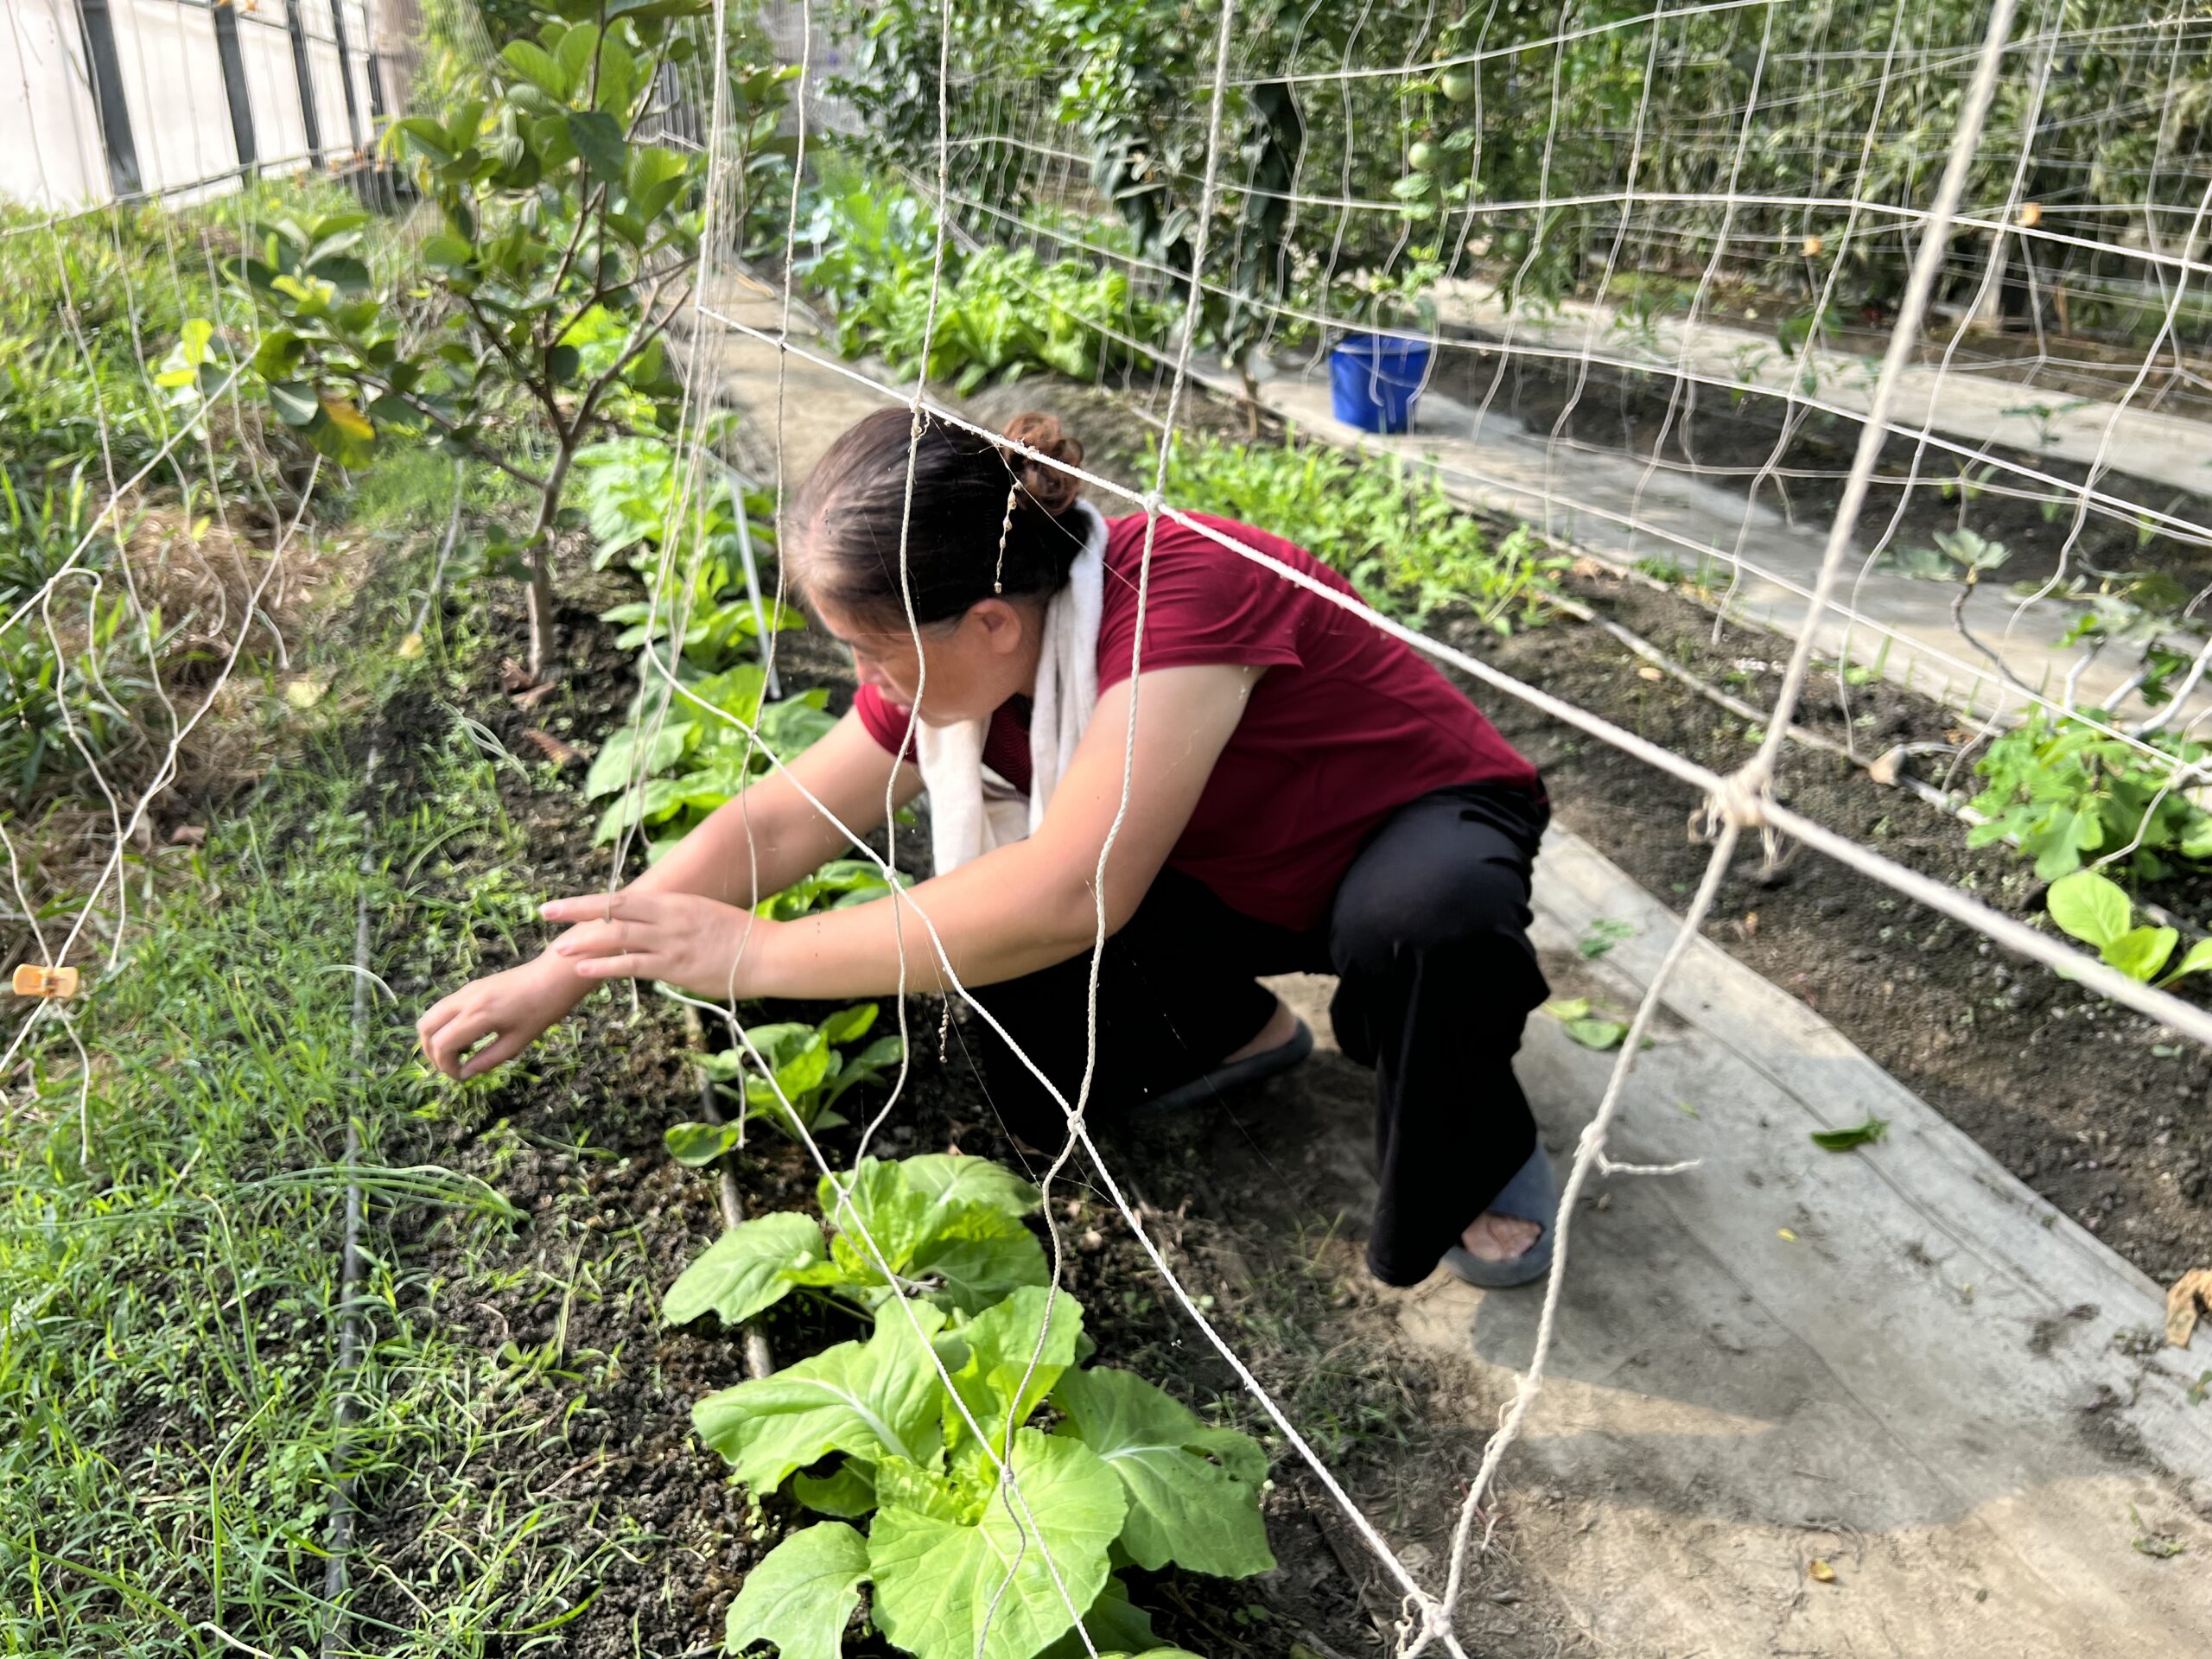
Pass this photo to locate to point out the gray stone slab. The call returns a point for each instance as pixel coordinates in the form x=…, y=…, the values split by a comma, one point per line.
x=1899, y=1360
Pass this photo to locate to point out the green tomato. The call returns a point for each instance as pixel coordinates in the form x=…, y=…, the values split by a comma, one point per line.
x=1458, y=85
x=1423, y=156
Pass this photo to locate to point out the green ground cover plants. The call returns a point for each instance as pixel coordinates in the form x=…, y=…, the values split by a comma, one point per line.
x=2068, y=792
x=166, y=1230
x=999, y=312
x=1395, y=535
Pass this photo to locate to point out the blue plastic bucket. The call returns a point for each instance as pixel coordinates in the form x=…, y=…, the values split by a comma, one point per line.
x=1374, y=380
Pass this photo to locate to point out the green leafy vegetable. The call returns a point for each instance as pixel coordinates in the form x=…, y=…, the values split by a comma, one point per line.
x=970, y=1579
x=1603, y=935
x=1193, y=1490
x=1859, y=1134
x=802, y=1594
x=870, y=1400
x=2096, y=911
x=808, y=1070
x=746, y=1270
x=2066, y=791
x=1585, y=1027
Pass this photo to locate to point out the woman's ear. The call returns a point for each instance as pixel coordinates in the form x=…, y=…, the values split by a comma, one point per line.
x=1005, y=624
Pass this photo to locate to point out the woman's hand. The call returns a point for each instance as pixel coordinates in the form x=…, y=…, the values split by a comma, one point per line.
x=515, y=1007
x=697, y=944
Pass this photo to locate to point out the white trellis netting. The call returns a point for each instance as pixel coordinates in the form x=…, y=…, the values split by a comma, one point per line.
x=1938, y=144
x=1715, y=223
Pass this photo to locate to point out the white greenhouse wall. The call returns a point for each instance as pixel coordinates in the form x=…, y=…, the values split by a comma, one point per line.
x=280, y=126
x=167, y=67
x=356, y=17
x=50, y=151
x=173, y=86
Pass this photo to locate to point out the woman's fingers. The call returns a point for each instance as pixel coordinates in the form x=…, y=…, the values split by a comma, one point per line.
x=450, y=1041
x=601, y=938
x=633, y=965
x=497, y=1053
x=602, y=907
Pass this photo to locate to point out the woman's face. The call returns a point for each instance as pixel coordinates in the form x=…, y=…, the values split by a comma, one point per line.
x=964, y=669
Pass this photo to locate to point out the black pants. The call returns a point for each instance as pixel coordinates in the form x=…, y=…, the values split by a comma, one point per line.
x=1428, y=936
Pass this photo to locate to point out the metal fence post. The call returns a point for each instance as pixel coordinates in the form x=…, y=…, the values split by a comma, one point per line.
x=234, y=81
x=98, y=31
x=345, y=72
x=297, y=30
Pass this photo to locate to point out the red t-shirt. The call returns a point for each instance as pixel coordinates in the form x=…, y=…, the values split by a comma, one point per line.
x=1347, y=724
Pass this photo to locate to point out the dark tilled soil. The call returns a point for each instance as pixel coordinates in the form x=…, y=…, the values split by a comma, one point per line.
x=587, y=1397
x=2100, y=1110
x=1704, y=432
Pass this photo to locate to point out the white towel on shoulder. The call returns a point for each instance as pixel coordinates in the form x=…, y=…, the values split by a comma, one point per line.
x=973, y=809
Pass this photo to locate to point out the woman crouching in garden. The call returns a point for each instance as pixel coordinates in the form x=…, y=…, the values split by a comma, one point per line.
x=1304, y=793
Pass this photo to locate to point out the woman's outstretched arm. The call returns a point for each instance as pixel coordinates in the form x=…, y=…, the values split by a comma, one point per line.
x=1012, y=912
x=751, y=846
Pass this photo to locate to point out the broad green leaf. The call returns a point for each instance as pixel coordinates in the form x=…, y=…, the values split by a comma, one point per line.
x=945, y=1179
x=2198, y=959
x=429, y=136
x=537, y=66
x=573, y=52
x=848, y=1024
x=2089, y=907
x=979, y=1256
x=294, y=401
x=947, y=1589
x=2141, y=951
x=1193, y=1489
x=871, y=1400
x=802, y=1594
x=697, y=1145
x=745, y=1270
x=875, y=1196
x=799, y=1077
x=446, y=249
x=1016, y=1352
x=973, y=1252
x=850, y=1490
x=1115, y=1625
x=618, y=76
x=1595, y=1033
x=598, y=138
x=1859, y=1134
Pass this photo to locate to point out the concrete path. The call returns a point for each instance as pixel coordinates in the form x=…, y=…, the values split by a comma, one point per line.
x=1899, y=1360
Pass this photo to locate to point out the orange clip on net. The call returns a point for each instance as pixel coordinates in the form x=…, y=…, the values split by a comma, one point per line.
x=32, y=980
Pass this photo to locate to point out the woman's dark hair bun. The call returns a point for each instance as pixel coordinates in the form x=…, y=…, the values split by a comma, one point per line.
x=859, y=540
x=1052, y=489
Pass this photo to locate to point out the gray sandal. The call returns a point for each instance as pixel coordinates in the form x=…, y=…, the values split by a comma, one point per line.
x=1236, y=1074
x=1531, y=1195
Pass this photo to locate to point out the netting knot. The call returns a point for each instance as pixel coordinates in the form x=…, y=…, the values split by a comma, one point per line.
x=1740, y=799
x=1416, y=1636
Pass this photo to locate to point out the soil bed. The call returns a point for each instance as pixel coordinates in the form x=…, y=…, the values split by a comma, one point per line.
x=1705, y=433
x=2100, y=1110
x=589, y=1396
